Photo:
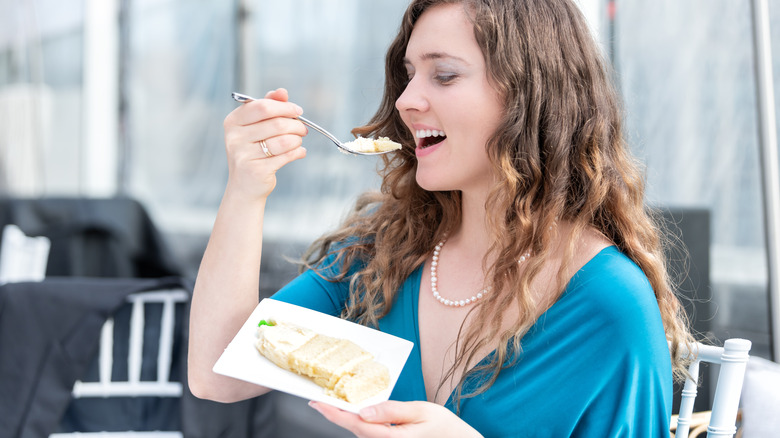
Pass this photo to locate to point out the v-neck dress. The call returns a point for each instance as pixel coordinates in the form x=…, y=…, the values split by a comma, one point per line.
x=596, y=364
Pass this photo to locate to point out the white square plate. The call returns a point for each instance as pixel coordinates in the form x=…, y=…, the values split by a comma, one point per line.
x=241, y=359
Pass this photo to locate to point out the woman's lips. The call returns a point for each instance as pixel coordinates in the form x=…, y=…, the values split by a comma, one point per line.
x=423, y=150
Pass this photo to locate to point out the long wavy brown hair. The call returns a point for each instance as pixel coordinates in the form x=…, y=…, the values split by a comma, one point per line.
x=559, y=153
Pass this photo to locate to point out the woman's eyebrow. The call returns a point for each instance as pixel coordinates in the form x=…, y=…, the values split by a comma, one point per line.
x=436, y=55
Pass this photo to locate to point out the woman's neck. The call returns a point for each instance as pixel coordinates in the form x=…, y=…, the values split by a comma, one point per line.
x=473, y=230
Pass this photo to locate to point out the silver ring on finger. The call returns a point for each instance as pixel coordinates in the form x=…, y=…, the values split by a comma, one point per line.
x=265, y=149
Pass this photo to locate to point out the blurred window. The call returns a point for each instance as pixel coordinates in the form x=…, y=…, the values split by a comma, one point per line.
x=41, y=63
x=687, y=77
x=187, y=57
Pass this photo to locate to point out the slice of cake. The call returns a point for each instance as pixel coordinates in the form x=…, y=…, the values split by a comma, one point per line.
x=305, y=359
x=278, y=341
x=361, y=382
x=340, y=366
x=381, y=144
x=329, y=368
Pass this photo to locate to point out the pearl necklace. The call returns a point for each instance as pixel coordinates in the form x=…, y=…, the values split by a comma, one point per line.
x=435, y=280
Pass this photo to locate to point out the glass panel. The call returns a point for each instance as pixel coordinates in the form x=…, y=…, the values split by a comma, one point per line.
x=41, y=61
x=180, y=70
x=183, y=65
x=686, y=73
x=330, y=57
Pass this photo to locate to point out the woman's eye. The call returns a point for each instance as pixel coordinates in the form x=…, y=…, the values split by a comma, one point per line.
x=445, y=78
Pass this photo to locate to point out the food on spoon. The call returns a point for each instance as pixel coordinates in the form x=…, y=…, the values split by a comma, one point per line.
x=381, y=144
x=340, y=366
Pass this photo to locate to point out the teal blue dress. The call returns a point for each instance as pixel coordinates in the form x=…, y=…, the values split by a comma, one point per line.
x=596, y=364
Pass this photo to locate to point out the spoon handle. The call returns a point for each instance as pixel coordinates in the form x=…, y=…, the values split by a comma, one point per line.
x=242, y=98
x=321, y=130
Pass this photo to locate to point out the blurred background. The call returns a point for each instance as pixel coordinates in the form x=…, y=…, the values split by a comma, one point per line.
x=125, y=98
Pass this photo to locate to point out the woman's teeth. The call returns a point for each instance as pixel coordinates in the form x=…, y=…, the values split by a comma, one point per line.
x=425, y=133
x=429, y=137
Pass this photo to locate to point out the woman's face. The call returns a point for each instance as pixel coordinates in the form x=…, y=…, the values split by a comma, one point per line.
x=449, y=104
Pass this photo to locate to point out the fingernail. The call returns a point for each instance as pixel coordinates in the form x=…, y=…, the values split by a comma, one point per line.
x=298, y=109
x=313, y=405
x=368, y=413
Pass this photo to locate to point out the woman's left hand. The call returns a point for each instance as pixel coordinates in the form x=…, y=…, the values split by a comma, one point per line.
x=398, y=419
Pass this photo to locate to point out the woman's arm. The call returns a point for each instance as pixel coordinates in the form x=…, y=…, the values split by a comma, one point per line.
x=227, y=286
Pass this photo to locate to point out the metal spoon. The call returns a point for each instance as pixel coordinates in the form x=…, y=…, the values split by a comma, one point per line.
x=243, y=98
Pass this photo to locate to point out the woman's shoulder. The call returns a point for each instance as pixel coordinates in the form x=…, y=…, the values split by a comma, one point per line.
x=612, y=288
x=608, y=270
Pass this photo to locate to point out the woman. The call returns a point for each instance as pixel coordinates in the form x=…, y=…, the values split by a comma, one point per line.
x=509, y=241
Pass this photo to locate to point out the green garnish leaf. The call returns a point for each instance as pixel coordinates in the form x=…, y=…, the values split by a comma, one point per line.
x=264, y=322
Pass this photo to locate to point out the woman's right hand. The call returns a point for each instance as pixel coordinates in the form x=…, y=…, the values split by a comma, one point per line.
x=252, y=174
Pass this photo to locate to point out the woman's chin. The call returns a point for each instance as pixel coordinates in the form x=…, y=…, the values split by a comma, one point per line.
x=431, y=184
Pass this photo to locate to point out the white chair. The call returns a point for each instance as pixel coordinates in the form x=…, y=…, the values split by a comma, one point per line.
x=134, y=386
x=721, y=421
x=22, y=258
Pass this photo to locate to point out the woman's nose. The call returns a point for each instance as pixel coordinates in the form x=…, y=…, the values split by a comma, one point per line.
x=412, y=99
